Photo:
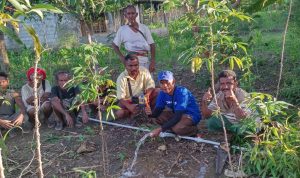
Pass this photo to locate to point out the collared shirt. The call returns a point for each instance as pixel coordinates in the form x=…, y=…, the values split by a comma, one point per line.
x=27, y=91
x=228, y=110
x=142, y=82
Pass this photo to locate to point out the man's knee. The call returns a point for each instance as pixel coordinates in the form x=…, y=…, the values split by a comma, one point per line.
x=122, y=113
x=46, y=106
x=165, y=116
x=181, y=129
x=30, y=112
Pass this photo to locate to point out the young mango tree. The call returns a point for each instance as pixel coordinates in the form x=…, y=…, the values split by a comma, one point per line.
x=96, y=88
x=10, y=13
x=274, y=150
x=214, y=41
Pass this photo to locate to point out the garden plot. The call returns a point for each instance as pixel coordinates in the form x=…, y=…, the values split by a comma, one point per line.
x=156, y=158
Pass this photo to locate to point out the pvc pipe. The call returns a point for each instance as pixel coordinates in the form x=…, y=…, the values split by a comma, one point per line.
x=120, y=125
x=162, y=134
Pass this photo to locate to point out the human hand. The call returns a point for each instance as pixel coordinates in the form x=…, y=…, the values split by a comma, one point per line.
x=45, y=97
x=230, y=96
x=69, y=120
x=148, y=110
x=30, y=100
x=133, y=108
x=152, y=66
x=155, y=132
x=6, y=124
x=19, y=120
x=85, y=117
x=207, y=95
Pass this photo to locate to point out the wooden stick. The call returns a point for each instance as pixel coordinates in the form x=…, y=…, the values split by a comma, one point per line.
x=1, y=166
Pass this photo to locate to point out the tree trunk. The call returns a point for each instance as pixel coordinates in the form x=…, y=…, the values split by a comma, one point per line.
x=236, y=4
x=4, y=62
x=89, y=31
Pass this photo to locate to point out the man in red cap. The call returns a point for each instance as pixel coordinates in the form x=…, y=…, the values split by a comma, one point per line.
x=43, y=90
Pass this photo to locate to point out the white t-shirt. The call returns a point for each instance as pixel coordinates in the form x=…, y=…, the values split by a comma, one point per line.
x=134, y=41
x=27, y=91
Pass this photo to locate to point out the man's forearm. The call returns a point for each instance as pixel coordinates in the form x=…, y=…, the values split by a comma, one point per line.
x=238, y=111
x=82, y=107
x=20, y=104
x=204, y=110
x=56, y=104
x=173, y=121
x=152, y=51
x=124, y=103
x=117, y=50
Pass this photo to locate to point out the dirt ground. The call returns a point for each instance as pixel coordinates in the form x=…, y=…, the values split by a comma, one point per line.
x=159, y=157
x=60, y=157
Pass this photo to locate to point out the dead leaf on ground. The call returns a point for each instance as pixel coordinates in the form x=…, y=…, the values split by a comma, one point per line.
x=162, y=148
x=86, y=147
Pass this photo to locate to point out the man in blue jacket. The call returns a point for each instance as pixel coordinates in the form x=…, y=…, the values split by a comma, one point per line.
x=176, y=108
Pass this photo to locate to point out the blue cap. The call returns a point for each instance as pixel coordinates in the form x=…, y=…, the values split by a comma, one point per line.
x=165, y=75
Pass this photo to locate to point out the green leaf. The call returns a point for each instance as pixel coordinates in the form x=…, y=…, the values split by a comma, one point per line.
x=231, y=63
x=27, y=3
x=242, y=46
x=17, y=5
x=11, y=34
x=38, y=12
x=48, y=8
x=35, y=38
x=2, y=5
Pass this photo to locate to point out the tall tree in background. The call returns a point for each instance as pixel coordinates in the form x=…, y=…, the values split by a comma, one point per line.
x=89, y=11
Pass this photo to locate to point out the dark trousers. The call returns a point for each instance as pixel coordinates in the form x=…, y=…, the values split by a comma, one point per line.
x=184, y=127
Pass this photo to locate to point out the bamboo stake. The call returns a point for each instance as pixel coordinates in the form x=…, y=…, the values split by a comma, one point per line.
x=283, y=48
x=1, y=165
x=215, y=97
x=37, y=122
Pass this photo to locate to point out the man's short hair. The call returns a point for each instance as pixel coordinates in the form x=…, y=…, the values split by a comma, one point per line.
x=128, y=7
x=3, y=74
x=131, y=57
x=227, y=73
x=61, y=72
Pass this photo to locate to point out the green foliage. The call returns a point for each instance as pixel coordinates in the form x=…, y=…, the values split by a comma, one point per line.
x=212, y=40
x=86, y=174
x=258, y=5
x=87, y=10
x=93, y=79
x=89, y=130
x=52, y=138
x=122, y=156
x=276, y=138
x=81, y=138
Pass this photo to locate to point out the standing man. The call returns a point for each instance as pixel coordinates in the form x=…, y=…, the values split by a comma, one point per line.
x=137, y=40
x=62, y=99
x=133, y=83
x=231, y=100
x=176, y=108
x=43, y=90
